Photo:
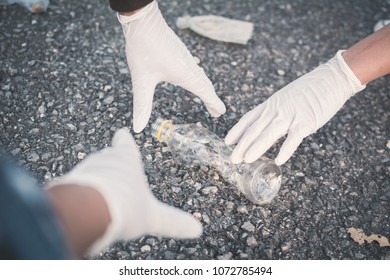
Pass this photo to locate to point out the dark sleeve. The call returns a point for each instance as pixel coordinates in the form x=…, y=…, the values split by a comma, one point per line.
x=29, y=229
x=128, y=5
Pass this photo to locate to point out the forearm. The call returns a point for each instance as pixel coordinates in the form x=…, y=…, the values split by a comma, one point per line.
x=369, y=59
x=83, y=214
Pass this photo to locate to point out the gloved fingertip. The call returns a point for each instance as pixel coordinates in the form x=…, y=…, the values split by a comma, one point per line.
x=216, y=110
x=236, y=159
x=194, y=229
x=122, y=137
x=280, y=160
x=288, y=148
x=214, y=114
x=221, y=108
x=198, y=229
x=175, y=223
x=283, y=156
x=140, y=121
x=250, y=157
x=141, y=115
x=143, y=101
x=235, y=134
x=230, y=139
x=138, y=127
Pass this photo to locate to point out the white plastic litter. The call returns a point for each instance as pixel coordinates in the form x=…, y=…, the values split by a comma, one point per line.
x=218, y=28
x=34, y=6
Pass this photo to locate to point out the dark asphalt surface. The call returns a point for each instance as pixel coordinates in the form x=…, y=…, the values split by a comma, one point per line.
x=65, y=89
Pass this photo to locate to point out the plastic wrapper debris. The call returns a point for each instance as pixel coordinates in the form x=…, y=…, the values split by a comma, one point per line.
x=218, y=28
x=34, y=6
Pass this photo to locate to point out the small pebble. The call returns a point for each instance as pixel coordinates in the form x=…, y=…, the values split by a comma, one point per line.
x=251, y=241
x=33, y=157
x=81, y=155
x=242, y=209
x=108, y=100
x=248, y=226
x=146, y=249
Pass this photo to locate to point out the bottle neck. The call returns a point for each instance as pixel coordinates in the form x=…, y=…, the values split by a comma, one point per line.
x=161, y=129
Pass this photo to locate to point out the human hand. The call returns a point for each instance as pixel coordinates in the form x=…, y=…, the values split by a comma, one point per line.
x=117, y=174
x=155, y=54
x=298, y=109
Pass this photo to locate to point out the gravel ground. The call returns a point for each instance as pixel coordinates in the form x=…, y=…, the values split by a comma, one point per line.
x=65, y=89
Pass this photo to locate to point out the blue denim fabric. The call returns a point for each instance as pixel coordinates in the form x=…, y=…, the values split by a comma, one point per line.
x=28, y=226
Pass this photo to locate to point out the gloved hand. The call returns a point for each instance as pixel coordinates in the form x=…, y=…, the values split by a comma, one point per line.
x=155, y=54
x=117, y=174
x=299, y=109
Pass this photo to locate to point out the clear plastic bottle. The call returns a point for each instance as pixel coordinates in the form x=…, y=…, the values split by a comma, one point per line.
x=259, y=181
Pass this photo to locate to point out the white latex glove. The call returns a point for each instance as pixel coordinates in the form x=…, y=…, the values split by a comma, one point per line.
x=299, y=109
x=117, y=174
x=155, y=54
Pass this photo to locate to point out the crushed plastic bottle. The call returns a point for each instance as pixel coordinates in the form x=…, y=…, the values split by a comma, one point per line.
x=218, y=28
x=34, y=6
x=259, y=181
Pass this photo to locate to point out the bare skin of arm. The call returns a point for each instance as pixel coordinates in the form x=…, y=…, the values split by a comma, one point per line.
x=83, y=214
x=369, y=59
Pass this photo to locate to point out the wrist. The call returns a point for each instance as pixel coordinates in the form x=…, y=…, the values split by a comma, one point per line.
x=80, y=230
x=367, y=58
x=353, y=64
x=351, y=81
x=126, y=17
